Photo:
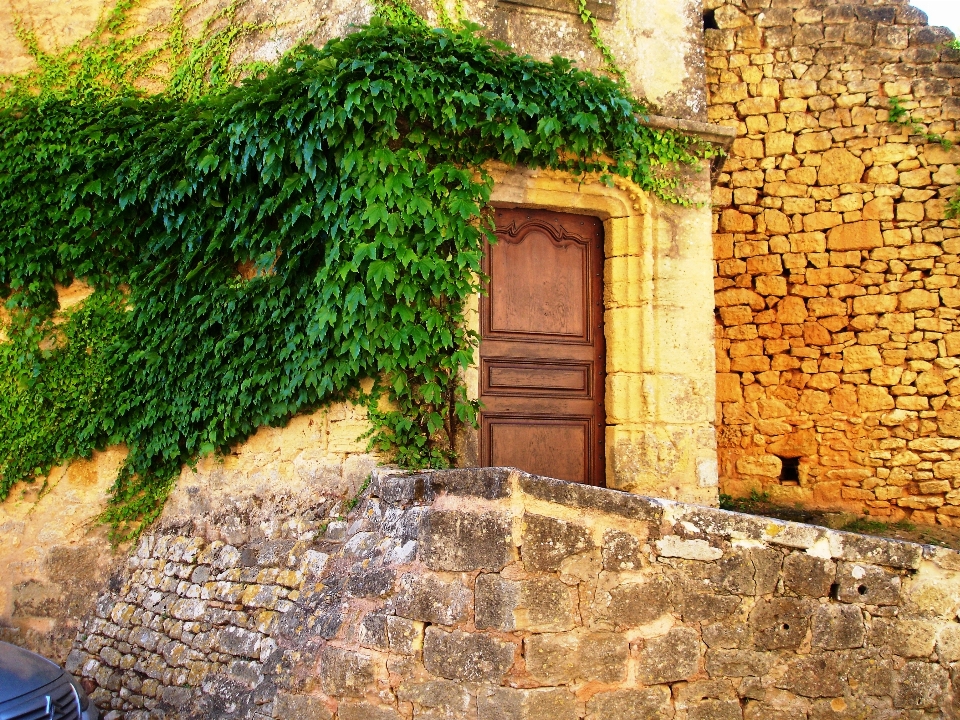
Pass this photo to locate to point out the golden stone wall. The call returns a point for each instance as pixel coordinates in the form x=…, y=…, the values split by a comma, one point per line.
x=838, y=306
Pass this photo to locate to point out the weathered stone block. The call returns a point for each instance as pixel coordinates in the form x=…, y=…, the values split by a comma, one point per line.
x=559, y=658
x=696, y=549
x=812, y=142
x=669, y=658
x=373, y=631
x=464, y=541
x=300, y=706
x=861, y=357
x=814, y=676
x=633, y=604
x=837, y=627
x=430, y=598
x=365, y=581
x=948, y=423
x=920, y=685
x=547, y=542
x=838, y=166
x=702, y=606
x=540, y=605
x=361, y=711
x=869, y=584
x=863, y=235
x=710, y=709
x=623, y=551
x=344, y=672
x=647, y=703
x=805, y=574
x=404, y=636
x=879, y=551
x=510, y=704
x=238, y=641
x=948, y=643
x=464, y=656
x=918, y=300
x=738, y=663
x=449, y=698
x=907, y=637
x=779, y=623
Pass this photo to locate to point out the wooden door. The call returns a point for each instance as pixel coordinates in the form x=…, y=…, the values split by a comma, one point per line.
x=541, y=348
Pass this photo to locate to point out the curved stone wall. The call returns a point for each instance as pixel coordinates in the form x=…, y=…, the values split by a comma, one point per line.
x=492, y=594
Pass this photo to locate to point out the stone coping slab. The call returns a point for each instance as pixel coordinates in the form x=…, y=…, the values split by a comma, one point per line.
x=685, y=521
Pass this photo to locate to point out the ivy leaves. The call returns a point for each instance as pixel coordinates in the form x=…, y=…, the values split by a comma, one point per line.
x=277, y=242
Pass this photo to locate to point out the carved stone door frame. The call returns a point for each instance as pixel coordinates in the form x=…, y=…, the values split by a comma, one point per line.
x=658, y=325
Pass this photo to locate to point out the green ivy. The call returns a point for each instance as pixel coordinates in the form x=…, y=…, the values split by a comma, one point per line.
x=115, y=60
x=899, y=115
x=58, y=384
x=260, y=249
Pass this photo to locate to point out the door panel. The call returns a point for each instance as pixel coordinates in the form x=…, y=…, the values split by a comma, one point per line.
x=541, y=350
x=535, y=298
x=552, y=447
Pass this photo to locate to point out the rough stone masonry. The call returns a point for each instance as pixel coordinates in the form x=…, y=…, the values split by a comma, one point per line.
x=495, y=595
x=838, y=305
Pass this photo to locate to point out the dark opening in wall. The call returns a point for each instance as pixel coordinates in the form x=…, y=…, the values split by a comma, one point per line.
x=710, y=20
x=790, y=471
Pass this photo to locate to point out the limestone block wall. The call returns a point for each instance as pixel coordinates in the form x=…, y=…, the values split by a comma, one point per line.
x=492, y=594
x=838, y=343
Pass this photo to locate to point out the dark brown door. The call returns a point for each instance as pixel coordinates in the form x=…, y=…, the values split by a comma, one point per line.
x=541, y=347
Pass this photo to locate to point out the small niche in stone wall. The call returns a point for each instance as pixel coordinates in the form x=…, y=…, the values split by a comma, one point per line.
x=603, y=9
x=710, y=20
x=790, y=471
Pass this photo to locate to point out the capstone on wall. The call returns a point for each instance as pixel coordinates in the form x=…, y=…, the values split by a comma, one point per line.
x=838, y=341
x=496, y=595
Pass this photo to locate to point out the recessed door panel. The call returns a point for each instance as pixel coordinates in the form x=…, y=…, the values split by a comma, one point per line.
x=539, y=298
x=541, y=349
x=552, y=447
x=508, y=376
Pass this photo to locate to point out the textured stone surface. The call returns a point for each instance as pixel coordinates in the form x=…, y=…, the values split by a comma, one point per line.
x=511, y=704
x=830, y=221
x=466, y=656
x=774, y=618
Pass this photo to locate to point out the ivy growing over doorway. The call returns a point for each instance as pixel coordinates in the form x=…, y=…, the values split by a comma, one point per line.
x=257, y=250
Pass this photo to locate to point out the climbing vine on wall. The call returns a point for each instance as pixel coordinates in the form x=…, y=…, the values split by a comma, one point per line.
x=260, y=249
x=900, y=115
x=116, y=59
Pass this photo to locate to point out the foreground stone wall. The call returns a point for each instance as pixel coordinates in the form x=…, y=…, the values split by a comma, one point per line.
x=838, y=341
x=491, y=594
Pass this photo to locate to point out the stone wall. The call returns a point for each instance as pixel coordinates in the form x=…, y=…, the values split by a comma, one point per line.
x=494, y=595
x=838, y=343
x=55, y=556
